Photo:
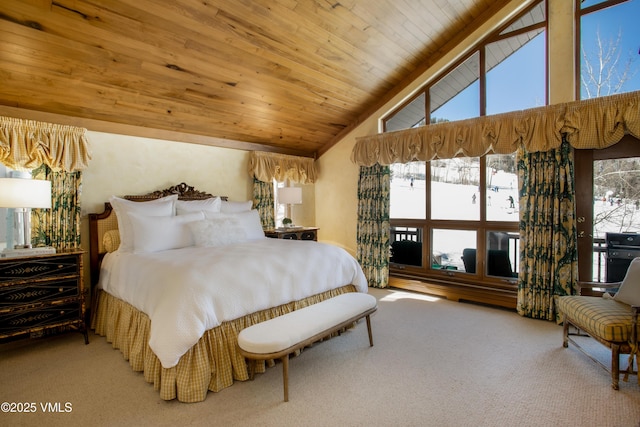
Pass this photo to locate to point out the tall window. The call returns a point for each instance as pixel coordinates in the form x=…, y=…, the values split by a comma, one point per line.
x=608, y=188
x=458, y=217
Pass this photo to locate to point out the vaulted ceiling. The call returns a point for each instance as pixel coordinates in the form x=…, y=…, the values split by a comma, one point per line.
x=289, y=76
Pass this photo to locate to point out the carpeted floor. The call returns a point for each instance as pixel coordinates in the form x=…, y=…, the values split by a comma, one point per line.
x=434, y=363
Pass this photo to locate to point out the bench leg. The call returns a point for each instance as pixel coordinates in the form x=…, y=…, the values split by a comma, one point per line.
x=252, y=367
x=369, y=331
x=285, y=376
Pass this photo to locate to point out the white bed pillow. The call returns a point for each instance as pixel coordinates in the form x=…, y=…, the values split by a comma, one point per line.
x=209, y=205
x=629, y=292
x=248, y=220
x=161, y=233
x=235, y=207
x=164, y=206
x=221, y=230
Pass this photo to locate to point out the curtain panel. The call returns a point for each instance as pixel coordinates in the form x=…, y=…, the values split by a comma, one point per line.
x=548, y=232
x=269, y=166
x=263, y=201
x=372, y=234
x=27, y=144
x=59, y=226
x=594, y=123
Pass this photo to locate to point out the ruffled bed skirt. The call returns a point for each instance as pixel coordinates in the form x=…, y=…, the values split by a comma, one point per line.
x=213, y=363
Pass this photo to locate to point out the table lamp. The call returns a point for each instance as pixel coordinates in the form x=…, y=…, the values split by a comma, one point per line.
x=289, y=196
x=23, y=195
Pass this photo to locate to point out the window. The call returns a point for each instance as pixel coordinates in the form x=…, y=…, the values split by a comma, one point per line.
x=501, y=188
x=461, y=234
x=456, y=96
x=454, y=188
x=609, y=34
x=496, y=68
x=459, y=217
x=279, y=208
x=607, y=187
x=408, y=190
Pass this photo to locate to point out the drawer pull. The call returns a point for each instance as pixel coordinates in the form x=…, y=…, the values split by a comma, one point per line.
x=60, y=266
x=61, y=312
x=60, y=289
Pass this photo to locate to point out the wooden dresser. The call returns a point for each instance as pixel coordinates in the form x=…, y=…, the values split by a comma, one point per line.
x=301, y=233
x=40, y=294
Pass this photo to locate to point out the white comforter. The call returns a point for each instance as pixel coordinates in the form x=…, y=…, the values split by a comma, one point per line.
x=188, y=291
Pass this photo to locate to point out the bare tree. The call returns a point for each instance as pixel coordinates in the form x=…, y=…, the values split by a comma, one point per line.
x=602, y=71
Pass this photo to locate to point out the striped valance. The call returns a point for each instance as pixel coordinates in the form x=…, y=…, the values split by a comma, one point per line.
x=27, y=144
x=594, y=123
x=269, y=166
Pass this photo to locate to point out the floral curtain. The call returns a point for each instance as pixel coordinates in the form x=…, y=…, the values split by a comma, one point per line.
x=372, y=236
x=263, y=201
x=548, y=247
x=59, y=226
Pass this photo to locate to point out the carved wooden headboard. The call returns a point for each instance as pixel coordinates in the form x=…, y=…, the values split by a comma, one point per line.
x=100, y=223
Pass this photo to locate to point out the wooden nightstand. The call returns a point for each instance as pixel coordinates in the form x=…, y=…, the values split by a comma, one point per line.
x=42, y=293
x=302, y=233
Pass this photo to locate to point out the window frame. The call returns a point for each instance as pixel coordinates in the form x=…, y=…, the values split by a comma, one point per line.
x=481, y=226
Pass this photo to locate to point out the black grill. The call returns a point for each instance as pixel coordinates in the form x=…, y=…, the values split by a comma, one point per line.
x=621, y=249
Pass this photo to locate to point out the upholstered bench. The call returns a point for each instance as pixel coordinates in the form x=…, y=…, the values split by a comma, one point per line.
x=610, y=322
x=277, y=338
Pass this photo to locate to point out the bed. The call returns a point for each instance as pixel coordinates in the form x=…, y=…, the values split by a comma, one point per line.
x=178, y=273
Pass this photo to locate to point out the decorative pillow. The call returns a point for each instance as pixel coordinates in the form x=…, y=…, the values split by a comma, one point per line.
x=629, y=292
x=111, y=240
x=234, y=207
x=161, y=233
x=249, y=221
x=164, y=206
x=219, y=231
x=210, y=205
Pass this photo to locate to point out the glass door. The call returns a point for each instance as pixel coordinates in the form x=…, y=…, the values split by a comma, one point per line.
x=607, y=203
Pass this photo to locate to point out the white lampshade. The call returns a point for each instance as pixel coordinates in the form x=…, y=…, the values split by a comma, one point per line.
x=25, y=193
x=290, y=195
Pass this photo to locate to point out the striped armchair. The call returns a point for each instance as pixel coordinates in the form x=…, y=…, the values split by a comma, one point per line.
x=612, y=321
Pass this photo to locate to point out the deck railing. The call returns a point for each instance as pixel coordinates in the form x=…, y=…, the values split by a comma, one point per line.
x=414, y=234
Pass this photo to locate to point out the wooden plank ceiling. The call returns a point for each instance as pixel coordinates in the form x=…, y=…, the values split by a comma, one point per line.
x=289, y=75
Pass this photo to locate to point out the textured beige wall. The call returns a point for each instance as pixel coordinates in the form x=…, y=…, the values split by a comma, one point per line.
x=123, y=165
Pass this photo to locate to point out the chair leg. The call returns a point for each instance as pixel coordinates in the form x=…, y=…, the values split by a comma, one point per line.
x=369, y=331
x=615, y=366
x=565, y=333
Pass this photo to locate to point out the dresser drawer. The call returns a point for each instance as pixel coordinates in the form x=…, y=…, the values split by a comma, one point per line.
x=34, y=318
x=308, y=235
x=31, y=293
x=289, y=236
x=34, y=268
